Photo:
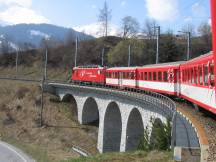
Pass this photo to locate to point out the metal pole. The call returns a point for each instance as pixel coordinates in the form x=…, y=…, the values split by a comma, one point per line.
x=102, y=57
x=76, y=51
x=189, y=45
x=129, y=55
x=17, y=56
x=158, y=37
x=45, y=66
x=42, y=103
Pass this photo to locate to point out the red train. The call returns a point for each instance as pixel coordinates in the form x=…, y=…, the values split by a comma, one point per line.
x=192, y=80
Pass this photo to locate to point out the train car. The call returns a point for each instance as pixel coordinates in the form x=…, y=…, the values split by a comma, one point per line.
x=197, y=81
x=90, y=74
x=162, y=78
x=123, y=77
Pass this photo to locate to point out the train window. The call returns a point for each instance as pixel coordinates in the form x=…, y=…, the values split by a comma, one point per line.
x=165, y=76
x=212, y=75
x=141, y=76
x=129, y=75
x=159, y=76
x=132, y=75
x=205, y=75
x=195, y=75
x=188, y=76
x=154, y=76
x=184, y=74
x=192, y=75
x=149, y=76
x=200, y=75
x=146, y=76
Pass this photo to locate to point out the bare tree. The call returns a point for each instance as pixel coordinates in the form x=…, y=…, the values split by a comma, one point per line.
x=104, y=18
x=204, y=31
x=148, y=28
x=189, y=28
x=130, y=26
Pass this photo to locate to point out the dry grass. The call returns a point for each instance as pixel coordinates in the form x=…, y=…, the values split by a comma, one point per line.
x=138, y=156
x=20, y=102
x=36, y=73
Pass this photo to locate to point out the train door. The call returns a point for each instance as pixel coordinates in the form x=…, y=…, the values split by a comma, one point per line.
x=120, y=79
x=177, y=84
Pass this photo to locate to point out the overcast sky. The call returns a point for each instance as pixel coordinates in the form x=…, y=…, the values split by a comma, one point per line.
x=171, y=14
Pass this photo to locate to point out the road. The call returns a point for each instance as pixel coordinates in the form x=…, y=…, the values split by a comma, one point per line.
x=9, y=153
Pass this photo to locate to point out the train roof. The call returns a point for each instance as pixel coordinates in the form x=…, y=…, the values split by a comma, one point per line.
x=168, y=64
x=123, y=68
x=205, y=56
x=89, y=67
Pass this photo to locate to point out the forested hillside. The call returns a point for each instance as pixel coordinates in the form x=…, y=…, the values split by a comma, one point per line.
x=143, y=51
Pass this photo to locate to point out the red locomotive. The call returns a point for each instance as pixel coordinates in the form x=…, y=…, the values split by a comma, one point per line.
x=193, y=80
x=94, y=74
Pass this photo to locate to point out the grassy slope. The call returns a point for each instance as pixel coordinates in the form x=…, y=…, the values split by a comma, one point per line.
x=19, y=114
x=138, y=156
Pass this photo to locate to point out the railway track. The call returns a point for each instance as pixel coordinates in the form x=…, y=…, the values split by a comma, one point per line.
x=205, y=121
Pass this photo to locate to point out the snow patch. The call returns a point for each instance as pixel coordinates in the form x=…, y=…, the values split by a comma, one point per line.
x=14, y=46
x=39, y=33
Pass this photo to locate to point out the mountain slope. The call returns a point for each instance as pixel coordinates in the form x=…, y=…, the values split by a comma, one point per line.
x=33, y=34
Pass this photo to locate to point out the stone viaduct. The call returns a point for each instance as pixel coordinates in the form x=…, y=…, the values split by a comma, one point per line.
x=123, y=116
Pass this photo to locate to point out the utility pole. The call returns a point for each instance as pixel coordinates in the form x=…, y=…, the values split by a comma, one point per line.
x=45, y=65
x=188, y=43
x=76, y=52
x=42, y=103
x=102, y=58
x=17, y=56
x=44, y=78
x=157, y=28
x=129, y=55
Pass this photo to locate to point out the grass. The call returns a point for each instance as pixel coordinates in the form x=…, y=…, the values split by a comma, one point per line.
x=137, y=156
x=35, y=73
